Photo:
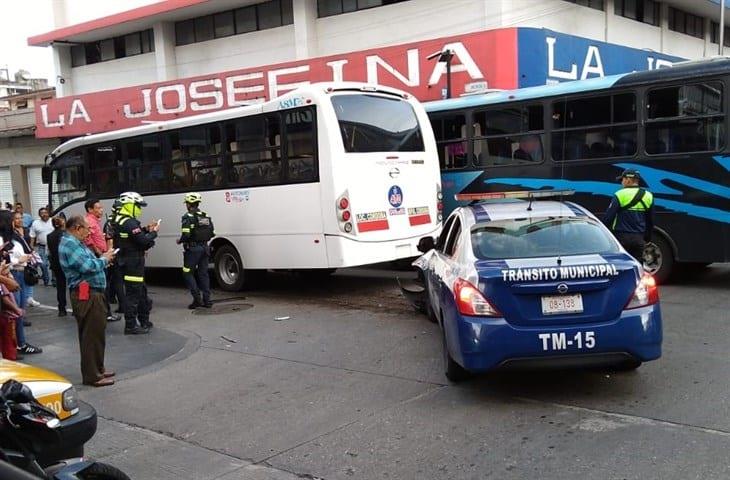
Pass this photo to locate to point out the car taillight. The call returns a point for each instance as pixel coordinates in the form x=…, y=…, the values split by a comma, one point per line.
x=646, y=293
x=343, y=213
x=470, y=301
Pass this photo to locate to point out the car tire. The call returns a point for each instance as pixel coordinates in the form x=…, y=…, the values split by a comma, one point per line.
x=659, y=258
x=453, y=371
x=628, y=365
x=228, y=269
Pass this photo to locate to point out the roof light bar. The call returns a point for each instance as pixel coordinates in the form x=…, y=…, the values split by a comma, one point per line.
x=527, y=194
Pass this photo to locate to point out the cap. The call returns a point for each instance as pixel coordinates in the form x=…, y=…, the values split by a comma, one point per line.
x=629, y=173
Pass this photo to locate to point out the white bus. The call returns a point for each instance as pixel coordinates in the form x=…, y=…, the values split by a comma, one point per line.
x=330, y=175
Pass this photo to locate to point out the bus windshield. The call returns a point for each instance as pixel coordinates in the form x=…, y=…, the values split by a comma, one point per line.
x=370, y=123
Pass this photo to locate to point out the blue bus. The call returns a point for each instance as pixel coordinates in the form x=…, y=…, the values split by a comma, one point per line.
x=670, y=124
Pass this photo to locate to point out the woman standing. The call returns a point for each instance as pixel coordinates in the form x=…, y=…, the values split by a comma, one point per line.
x=20, y=255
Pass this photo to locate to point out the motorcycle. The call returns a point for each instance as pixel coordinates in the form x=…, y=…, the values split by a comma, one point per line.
x=28, y=429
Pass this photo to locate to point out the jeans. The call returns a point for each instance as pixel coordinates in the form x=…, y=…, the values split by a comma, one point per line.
x=43, y=253
x=21, y=298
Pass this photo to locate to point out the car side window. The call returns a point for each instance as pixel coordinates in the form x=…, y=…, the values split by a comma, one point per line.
x=453, y=238
x=444, y=233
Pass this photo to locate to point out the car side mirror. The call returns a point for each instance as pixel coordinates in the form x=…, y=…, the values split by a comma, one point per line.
x=425, y=244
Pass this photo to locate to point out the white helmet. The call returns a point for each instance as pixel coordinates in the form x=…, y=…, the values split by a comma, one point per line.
x=133, y=198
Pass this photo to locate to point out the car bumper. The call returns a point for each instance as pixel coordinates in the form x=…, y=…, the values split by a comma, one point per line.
x=487, y=343
x=74, y=432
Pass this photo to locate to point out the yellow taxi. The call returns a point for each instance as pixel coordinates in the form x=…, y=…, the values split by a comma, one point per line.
x=78, y=419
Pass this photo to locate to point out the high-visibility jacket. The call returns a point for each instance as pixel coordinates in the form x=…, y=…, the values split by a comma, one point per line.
x=623, y=217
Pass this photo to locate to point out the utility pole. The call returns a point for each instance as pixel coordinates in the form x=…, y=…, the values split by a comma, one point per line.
x=722, y=27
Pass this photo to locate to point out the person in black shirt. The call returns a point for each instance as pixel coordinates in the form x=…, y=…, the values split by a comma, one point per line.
x=53, y=240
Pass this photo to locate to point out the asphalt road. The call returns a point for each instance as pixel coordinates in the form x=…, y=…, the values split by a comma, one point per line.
x=339, y=379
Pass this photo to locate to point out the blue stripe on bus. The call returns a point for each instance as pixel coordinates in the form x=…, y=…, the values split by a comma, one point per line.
x=564, y=88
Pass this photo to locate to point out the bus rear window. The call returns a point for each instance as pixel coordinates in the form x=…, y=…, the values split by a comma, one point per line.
x=540, y=237
x=369, y=123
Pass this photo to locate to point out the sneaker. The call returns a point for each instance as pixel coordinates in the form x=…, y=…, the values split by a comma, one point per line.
x=29, y=349
x=113, y=318
x=33, y=302
x=62, y=313
x=208, y=304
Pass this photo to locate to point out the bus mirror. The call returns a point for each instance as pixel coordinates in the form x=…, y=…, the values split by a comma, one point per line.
x=426, y=244
x=46, y=174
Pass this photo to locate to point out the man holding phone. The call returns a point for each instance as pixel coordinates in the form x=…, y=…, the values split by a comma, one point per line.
x=85, y=274
x=96, y=241
x=134, y=240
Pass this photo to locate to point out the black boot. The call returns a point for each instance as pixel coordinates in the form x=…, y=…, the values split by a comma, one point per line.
x=196, y=303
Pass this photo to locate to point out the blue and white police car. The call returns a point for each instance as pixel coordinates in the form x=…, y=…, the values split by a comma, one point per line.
x=515, y=280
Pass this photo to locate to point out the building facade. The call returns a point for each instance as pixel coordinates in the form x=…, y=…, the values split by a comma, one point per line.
x=123, y=63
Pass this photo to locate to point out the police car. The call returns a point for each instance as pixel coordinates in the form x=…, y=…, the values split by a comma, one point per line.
x=518, y=280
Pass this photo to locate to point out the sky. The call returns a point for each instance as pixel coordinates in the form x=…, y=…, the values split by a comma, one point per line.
x=23, y=19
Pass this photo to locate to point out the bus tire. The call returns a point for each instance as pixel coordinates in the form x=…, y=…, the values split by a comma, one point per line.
x=659, y=258
x=228, y=269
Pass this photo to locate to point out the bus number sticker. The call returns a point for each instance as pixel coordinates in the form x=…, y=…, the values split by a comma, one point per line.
x=372, y=221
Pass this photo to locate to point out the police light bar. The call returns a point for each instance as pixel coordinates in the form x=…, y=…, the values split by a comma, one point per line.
x=527, y=194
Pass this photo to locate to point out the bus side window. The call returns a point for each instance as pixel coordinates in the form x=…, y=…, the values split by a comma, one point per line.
x=300, y=146
x=450, y=133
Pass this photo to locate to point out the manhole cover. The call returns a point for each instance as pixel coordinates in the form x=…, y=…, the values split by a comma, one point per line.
x=219, y=309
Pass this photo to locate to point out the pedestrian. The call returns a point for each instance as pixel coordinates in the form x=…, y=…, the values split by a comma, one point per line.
x=10, y=311
x=96, y=240
x=630, y=215
x=134, y=240
x=39, y=230
x=87, y=283
x=54, y=240
x=197, y=230
x=21, y=255
x=115, y=281
x=19, y=221
x=27, y=218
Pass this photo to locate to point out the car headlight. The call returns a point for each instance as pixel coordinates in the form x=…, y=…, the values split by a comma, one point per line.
x=70, y=400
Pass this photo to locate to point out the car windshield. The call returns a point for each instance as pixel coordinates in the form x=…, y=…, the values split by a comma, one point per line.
x=540, y=237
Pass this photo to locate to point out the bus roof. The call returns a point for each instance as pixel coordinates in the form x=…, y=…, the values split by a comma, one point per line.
x=314, y=89
x=680, y=70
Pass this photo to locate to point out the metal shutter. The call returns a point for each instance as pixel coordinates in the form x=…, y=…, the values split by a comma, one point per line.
x=6, y=186
x=38, y=191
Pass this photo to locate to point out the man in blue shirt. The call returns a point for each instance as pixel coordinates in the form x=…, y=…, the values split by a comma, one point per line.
x=87, y=283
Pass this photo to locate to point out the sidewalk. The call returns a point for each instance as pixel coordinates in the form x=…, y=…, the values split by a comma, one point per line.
x=58, y=338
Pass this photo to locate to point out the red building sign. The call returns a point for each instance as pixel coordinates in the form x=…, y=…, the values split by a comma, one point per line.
x=488, y=57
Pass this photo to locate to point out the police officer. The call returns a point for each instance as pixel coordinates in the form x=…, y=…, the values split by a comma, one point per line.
x=630, y=215
x=134, y=240
x=197, y=230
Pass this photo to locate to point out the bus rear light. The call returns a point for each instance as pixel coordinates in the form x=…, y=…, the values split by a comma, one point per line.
x=345, y=215
x=440, y=206
x=439, y=217
x=343, y=203
x=348, y=227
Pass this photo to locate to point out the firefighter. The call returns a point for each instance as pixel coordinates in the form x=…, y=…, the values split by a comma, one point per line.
x=134, y=240
x=197, y=230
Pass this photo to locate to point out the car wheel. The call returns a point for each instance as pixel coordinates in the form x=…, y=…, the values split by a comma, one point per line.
x=628, y=365
x=453, y=371
x=659, y=258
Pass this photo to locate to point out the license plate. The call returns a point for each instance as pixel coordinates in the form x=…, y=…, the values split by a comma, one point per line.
x=557, y=304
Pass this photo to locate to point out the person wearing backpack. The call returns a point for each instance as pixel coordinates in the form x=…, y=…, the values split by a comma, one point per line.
x=630, y=215
x=197, y=230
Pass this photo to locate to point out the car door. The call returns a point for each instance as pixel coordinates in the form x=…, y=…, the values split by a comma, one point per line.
x=442, y=262
x=432, y=286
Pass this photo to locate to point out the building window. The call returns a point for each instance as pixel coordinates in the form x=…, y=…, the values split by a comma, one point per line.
x=715, y=34
x=327, y=8
x=646, y=11
x=683, y=22
x=596, y=4
x=262, y=16
x=112, y=48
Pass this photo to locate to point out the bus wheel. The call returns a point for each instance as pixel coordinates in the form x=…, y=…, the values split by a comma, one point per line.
x=228, y=269
x=659, y=258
